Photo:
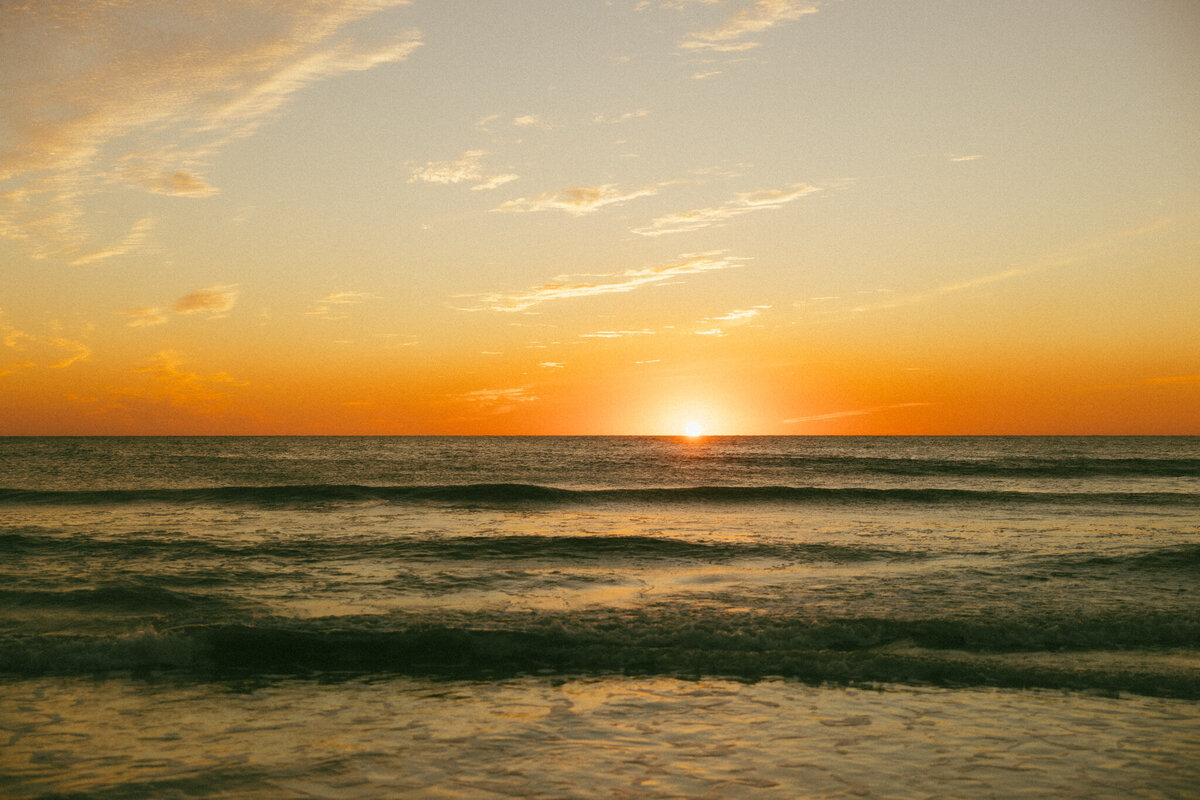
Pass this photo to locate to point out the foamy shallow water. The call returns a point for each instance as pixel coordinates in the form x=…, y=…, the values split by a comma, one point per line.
x=590, y=737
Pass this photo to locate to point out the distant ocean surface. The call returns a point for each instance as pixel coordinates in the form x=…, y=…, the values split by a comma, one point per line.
x=600, y=617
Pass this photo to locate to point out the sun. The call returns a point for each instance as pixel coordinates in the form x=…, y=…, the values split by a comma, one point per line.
x=693, y=429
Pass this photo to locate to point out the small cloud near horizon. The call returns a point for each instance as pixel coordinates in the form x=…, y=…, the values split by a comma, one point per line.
x=853, y=413
x=53, y=347
x=494, y=402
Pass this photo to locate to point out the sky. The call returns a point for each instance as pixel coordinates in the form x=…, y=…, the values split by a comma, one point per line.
x=599, y=217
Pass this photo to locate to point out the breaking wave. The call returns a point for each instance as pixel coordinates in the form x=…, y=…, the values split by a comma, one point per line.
x=1026, y=653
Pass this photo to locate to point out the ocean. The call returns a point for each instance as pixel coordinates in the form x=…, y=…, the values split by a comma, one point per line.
x=576, y=617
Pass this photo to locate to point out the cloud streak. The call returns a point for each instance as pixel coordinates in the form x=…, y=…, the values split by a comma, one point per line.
x=1173, y=379
x=173, y=384
x=568, y=286
x=467, y=167
x=731, y=35
x=100, y=96
x=616, y=334
x=494, y=402
x=1071, y=256
x=343, y=298
x=134, y=240
x=736, y=317
x=743, y=203
x=855, y=413
x=617, y=119
x=51, y=350
x=578, y=200
x=144, y=317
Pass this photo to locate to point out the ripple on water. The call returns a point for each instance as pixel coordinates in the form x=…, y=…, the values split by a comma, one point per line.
x=596, y=737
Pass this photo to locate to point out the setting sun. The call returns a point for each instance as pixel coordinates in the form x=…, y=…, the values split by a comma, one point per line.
x=693, y=429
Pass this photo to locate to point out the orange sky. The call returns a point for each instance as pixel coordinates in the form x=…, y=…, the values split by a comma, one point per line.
x=536, y=217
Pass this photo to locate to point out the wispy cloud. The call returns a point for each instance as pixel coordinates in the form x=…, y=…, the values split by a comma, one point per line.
x=616, y=334
x=180, y=385
x=213, y=302
x=965, y=158
x=492, y=181
x=484, y=125
x=464, y=168
x=76, y=351
x=50, y=350
x=1065, y=258
x=739, y=315
x=1167, y=380
x=493, y=402
x=569, y=286
x=743, y=203
x=736, y=317
x=344, y=298
x=617, y=119
x=100, y=96
x=578, y=200
x=176, y=184
x=530, y=121
x=731, y=35
x=134, y=240
x=144, y=317
x=467, y=167
x=855, y=413
x=1173, y=379
x=165, y=386
x=167, y=382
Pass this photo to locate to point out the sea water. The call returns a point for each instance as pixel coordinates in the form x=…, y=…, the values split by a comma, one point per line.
x=600, y=617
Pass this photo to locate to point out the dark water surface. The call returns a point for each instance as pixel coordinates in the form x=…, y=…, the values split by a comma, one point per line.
x=160, y=598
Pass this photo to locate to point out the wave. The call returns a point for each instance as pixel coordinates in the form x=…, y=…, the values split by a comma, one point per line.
x=1173, y=559
x=570, y=548
x=944, y=651
x=518, y=494
x=564, y=549
x=1004, y=467
x=130, y=598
